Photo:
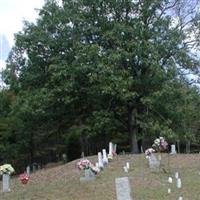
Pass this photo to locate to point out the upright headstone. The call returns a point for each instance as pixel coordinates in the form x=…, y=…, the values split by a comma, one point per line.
x=123, y=191
x=28, y=170
x=125, y=169
x=100, y=160
x=173, y=149
x=180, y=198
x=82, y=155
x=170, y=180
x=110, y=154
x=64, y=157
x=34, y=168
x=128, y=165
x=6, y=183
x=154, y=164
x=105, y=158
x=176, y=175
x=178, y=183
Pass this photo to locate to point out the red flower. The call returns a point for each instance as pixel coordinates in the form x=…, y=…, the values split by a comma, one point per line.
x=24, y=178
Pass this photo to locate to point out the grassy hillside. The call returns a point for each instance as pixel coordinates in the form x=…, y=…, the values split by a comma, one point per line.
x=62, y=182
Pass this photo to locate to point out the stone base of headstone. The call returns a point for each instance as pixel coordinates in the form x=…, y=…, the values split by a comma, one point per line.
x=6, y=183
x=154, y=163
x=89, y=176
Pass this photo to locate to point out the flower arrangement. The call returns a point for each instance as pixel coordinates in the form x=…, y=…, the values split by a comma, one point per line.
x=86, y=164
x=149, y=152
x=24, y=178
x=160, y=144
x=6, y=169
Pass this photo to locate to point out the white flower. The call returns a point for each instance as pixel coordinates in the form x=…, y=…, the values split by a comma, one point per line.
x=6, y=169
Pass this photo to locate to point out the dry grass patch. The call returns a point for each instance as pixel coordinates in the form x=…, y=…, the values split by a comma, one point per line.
x=62, y=182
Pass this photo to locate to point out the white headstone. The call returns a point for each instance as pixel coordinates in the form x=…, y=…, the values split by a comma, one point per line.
x=6, y=183
x=100, y=160
x=125, y=169
x=170, y=180
x=105, y=158
x=178, y=183
x=28, y=170
x=169, y=191
x=110, y=149
x=128, y=165
x=176, y=175
x=123, y=189
x=180, y=198
x=173, y=149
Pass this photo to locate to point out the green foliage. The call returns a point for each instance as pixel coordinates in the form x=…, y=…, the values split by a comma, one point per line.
x=104, y=69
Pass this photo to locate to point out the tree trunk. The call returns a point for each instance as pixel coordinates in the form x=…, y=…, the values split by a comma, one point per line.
x=132, y=128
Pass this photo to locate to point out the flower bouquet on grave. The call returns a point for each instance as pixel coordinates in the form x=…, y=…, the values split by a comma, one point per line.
x=149, y=152
x=160, y=144
x=24, y=178
x=6, y=169
x=85, y=164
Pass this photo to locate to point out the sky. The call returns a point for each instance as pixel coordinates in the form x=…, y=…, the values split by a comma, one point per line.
x=12, y=15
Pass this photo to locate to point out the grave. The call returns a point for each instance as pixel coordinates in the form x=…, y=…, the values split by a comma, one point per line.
x=89, y=176
x=123, y=191
x=6, y=182
x=105, y=158
x=173, y=149
x=100, y=161
x=178, y=183
x=28, y=170
x=154, y=163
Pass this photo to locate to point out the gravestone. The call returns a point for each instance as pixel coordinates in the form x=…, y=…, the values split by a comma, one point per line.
x=154, y=163
x=178, y=183
x=105, y=158
x=28, y=170
x=6, y=183
x=100, y=161
x=125, y=169
x=128, y=165
x=123, y=191
x=176, y=175
x=89, y=176
x=173, y=149
x=110, y=154
x=35, y=167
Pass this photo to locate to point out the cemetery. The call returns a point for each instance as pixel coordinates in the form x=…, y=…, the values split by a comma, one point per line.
x=166, y=176
x=100, y=100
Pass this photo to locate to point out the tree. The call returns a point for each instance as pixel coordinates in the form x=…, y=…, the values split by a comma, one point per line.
x=96, y=65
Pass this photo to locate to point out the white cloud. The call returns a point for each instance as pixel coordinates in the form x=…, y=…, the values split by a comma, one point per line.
x=12, y=14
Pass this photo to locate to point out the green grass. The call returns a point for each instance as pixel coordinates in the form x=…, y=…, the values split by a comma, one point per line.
x=62, y=182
